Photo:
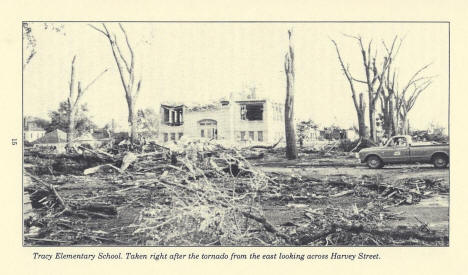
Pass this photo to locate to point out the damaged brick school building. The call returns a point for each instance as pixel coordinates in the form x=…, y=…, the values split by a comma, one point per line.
x=259, y=121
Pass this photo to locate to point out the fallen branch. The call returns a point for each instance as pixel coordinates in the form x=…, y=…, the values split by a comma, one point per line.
x=109, y=240
x=95, y=169
x=128, y=159
x=357, y=229
x=357, y=145
x=341, y=194
x=333, y=147
x=311, y=238
x=48, y=240
x=266, y=147
x=97, y=208
x=53, y=190
x=268, y=226
x=96, y=152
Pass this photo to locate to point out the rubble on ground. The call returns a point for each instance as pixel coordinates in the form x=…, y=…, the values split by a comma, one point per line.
x=198, y=192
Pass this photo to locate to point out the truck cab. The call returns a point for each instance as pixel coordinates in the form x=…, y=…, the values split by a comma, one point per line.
x=402, y=149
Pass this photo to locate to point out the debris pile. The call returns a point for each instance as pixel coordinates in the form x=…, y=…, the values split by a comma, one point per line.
x=209, y=193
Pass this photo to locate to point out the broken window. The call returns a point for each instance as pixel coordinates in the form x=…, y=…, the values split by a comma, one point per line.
x=251, y=135
x=208, y=128
x=180, y=117
x=242, y=133
x=243, y=112
x=166, y=116
x=172, y=136
x=260, y=136
x=180, y=135
x=252, y=111
x=173, y=116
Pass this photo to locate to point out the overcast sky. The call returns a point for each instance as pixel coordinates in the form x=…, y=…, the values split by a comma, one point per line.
x=201, y=62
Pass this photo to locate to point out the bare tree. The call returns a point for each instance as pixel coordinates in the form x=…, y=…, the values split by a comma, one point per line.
x=374, y=74
x=76, y=92
x=374, y=78
x=291, y=150
x=387, y=94
x=359, y=104
x=126, y=67
x=406, y=98
x=387, y=104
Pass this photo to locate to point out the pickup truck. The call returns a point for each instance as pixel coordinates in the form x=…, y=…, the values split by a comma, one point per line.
x=402, y=149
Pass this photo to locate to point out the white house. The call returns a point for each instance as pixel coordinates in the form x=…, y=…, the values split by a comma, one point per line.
x=251, y=120
x=32, y=132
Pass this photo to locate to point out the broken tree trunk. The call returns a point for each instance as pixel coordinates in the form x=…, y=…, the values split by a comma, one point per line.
x=359, y=104
x=361, y=110
x=73, y=102
x=291, y=150
x=126, y=68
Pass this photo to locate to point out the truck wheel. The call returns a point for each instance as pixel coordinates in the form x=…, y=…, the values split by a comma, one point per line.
x=440, y=161
x=374, y=162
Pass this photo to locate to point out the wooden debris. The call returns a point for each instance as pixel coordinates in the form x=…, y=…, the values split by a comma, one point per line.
x=100, y=168
x=52, y=189
x=341, y=194
x=48, y=241
x=168, y=195
x=128, y=159
x=99, y=208
x=97, y=152
x=266, y=147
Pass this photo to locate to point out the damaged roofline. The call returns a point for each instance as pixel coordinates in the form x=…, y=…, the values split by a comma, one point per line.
x=173, y=106
x=251, y=101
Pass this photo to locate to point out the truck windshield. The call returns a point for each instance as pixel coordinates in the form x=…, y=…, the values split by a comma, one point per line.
x=398, y=141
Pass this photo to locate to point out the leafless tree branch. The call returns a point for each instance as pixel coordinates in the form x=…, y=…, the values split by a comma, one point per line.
x=99, y=30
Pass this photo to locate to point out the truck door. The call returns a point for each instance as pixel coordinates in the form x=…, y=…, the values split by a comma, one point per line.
x=397, y=151
x=421, y=153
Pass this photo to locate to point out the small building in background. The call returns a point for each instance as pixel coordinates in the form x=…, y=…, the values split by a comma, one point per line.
x=32, y=132
x=55, y=140
x=336, y=133
x=93, y=138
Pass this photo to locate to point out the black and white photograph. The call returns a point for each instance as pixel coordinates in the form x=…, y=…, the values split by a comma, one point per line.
x=235, y=133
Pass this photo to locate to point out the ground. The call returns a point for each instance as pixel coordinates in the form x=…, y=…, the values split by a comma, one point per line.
x=433, y=211
x=315, y=200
